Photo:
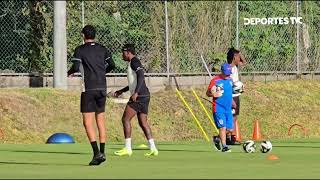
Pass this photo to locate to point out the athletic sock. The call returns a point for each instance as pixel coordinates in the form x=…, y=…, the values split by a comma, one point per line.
x=152, y=144
x=95, y=148
x=102, y=146
x=224, y=145
x=128, y=144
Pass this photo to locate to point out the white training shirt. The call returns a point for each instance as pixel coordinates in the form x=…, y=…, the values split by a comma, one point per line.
x=235, y=77
x=132, y=79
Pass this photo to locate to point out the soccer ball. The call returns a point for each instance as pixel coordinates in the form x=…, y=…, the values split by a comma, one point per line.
x=237, y=87
x=265, y=146
x=217, y=91
x=249, y=146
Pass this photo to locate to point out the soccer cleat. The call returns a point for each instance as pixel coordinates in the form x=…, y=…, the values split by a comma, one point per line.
x=123, y=152
x=226, y=149
x=97, y=159
x=154, y=152
x=216, y=142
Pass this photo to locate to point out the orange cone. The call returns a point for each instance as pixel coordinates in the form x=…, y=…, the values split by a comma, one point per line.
x=272, y=157
x=236, y=130
x=256, y=131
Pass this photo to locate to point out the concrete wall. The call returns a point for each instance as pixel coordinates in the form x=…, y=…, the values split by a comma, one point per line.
x=154, y=83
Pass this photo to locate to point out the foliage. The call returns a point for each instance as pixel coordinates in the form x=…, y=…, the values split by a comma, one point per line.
x=195, y=28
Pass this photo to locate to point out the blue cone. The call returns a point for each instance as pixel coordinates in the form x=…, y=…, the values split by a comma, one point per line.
x=60, y=138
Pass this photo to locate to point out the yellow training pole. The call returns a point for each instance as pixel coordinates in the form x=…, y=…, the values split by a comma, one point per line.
x=194, y=117
x=205, y=110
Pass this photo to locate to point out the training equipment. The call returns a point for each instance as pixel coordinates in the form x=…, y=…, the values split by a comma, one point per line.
x=143, y=146
x=205, y=65
x=217, y=91
x=302, y=129
x=123, y=152
x=154, y=152
x=236, y=130
x=256, y=131
x=237, y=87
x=60, y=138
x=265, y=146
x=249, y=146
x=205, y=110
x=272, y=157
x=193, y=115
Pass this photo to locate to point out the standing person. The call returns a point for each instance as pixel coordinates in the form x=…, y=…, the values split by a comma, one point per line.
x=220, y=89
x=235, y=58
x=138, y=103
x=93, y=61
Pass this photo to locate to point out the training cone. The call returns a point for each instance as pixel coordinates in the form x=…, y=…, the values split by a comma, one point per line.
x=256, y=131
x=272, y=157
x=143, y=146
x=236, y=130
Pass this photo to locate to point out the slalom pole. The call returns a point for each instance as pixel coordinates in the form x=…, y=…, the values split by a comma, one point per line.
x=205, y=110
x=193, y=115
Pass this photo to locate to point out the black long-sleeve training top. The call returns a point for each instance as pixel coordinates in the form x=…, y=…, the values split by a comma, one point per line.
x=93, y=61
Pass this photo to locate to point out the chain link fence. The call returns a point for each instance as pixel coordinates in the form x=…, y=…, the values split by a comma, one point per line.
x=195, y=28
x=14, y=37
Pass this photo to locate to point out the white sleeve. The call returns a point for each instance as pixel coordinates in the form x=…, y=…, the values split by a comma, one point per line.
x=234, y=75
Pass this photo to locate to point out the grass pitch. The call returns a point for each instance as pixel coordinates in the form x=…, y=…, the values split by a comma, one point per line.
x=192, y=160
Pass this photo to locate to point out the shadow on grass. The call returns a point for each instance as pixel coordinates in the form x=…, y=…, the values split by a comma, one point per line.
x=46, y=152
x=163, y=150
x=36, y=163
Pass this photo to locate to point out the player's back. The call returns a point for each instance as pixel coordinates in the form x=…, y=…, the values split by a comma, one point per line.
x=93, y=65
x=223, y=103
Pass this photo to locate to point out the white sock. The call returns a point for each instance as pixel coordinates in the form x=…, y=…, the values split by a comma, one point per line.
x=151, y=144
x=128, y=144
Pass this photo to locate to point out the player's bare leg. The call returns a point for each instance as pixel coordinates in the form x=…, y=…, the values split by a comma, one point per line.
x=88, y=119
x=128, y=114
x=143, y=122
x=100, y=119
x=222, y=133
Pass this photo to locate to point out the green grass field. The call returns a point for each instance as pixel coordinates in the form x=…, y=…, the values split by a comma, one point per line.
x=299, y=159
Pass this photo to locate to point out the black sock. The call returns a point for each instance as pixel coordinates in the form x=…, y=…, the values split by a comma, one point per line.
x=95, y=148
x=102, y=145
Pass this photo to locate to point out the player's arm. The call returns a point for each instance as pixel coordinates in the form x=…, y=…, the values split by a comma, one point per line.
x=209, y=92
x=119, y=92
x=243, y=60
x=76, y=61
x=109, y=63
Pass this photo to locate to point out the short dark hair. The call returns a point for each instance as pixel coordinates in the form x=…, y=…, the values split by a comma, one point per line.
x=89, y=32
x=231, y=53
x=130, y=48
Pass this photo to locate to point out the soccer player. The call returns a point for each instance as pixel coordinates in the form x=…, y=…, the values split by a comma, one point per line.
x=220, y=89
x=138, y=103
x=93, y=61
x=235, y=58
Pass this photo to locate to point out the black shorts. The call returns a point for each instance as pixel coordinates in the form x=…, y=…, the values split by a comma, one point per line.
x=141, y=105
x=237, y=101
x=93, y=101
